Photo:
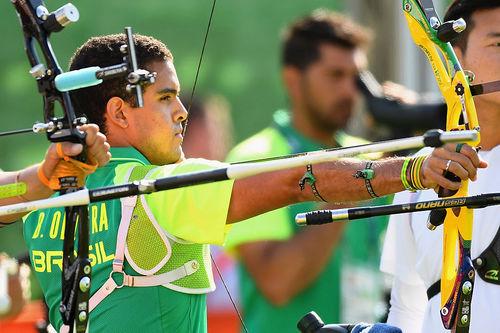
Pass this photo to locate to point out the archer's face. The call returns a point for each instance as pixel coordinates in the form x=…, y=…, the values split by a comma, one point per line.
x=483, y=52
x=157, y=126
x=329, y=89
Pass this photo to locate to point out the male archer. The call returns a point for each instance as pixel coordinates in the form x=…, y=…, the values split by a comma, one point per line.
x=412, y=253
x=150, y=258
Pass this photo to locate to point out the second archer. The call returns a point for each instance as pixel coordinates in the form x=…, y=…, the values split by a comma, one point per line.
x=412, y=253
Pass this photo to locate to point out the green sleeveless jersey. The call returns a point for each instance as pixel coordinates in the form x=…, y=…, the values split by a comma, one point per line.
x=194, y=214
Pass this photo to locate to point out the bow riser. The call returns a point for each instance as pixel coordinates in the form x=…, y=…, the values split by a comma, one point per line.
x=35, y=33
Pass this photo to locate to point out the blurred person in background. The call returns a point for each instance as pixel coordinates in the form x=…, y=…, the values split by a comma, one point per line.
x=210, y=131
x=286, y=272
x=12, y=294
x=209, y=135
x=412, y=253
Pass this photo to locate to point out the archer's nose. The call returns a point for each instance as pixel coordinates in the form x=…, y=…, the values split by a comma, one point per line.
x=180, y=113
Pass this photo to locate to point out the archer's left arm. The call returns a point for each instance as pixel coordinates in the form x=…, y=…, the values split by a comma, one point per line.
x=335, y=182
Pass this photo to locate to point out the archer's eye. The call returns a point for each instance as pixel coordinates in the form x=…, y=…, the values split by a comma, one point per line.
x=166, y=97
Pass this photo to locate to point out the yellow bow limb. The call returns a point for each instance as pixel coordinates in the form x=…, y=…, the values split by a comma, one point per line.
x=461, y=115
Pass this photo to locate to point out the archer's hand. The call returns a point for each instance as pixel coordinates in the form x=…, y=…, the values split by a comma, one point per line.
x=463, y=164
x=97, y=150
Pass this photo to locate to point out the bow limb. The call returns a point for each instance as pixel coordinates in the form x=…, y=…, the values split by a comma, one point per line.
x=456, y=277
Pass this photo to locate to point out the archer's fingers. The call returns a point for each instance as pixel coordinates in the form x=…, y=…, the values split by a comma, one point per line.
x=91, y=133
x=73, y=149
x=99, y=153
x=467, y=151
x=97, y=145
x=472, y=154
x=440, y=166
x=52, y=158
x=461, y=157
x=68, y=148
x=458, y=164
x=435, y=179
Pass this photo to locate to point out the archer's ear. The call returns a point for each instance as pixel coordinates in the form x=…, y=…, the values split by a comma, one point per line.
x=116, y=112
x=291, y=78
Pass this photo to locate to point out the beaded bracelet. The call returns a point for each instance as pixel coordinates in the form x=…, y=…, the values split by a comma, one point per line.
x=367, y=174
x=311, y=180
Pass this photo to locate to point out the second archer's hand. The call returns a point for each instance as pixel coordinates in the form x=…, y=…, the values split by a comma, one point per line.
x=463, y=164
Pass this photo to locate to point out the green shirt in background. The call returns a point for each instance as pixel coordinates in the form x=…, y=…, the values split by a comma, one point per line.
x=195, y=214
x=324, y=295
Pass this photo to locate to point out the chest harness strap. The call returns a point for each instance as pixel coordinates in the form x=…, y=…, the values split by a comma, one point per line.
x=190, y=267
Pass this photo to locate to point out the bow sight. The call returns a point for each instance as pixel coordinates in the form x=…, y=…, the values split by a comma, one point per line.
x=38, y=23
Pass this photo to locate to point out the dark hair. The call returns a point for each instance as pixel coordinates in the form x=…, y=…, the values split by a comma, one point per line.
x=465, y=9
x=302, y=39
x=104, y=51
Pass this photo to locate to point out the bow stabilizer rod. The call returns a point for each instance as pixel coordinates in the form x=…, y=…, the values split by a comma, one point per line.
x=348, y=214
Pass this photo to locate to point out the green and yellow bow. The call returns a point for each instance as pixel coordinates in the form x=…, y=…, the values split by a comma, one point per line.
x=457, y=276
